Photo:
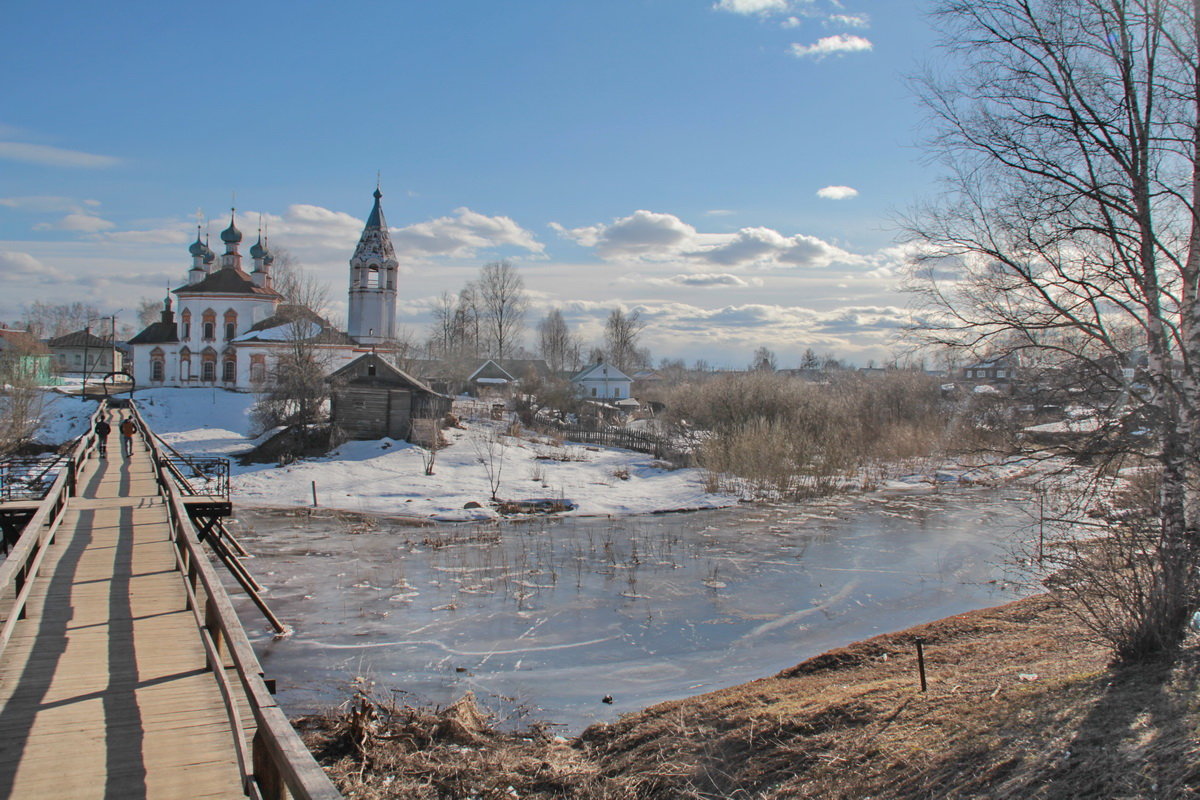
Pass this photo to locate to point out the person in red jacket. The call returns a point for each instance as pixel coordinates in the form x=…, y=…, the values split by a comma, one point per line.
x=128, y=429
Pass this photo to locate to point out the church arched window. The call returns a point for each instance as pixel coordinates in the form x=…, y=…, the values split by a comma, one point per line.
x=373, y=277
x=229, y=370
x=258, y=368
x=230, y=325
x=157, y=365
x=208, y=329
x=186, y=319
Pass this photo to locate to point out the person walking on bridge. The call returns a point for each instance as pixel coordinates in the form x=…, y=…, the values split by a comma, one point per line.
x=128, y=429
x=103, y=429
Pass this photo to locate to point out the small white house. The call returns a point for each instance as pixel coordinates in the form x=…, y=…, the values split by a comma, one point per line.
x=602, y=381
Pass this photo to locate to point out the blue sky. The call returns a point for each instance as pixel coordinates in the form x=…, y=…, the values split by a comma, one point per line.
x=667, y=155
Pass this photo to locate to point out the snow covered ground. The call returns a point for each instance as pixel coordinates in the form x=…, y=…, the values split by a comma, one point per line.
x=64, y=418
x=388, y=477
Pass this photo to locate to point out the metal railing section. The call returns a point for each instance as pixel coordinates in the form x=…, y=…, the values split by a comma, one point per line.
x=275, y=764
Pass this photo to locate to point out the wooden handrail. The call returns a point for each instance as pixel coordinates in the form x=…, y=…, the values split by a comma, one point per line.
x=280, y=764
x=20, y=567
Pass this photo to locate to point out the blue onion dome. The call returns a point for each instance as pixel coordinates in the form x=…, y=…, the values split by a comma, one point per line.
x=198, y=247
x=268, y=259
x=209, y=255
x=231, y=235
x=257, y=250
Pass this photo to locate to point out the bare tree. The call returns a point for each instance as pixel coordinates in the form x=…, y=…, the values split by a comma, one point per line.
x=556, y=343
x=296, y=392
x=149, y=311
x=621, y=333
x=1070, y=130
x=427, y=433
x=22, y=362
x=490, y=449
x=764, y=360
x=503, y=304
x=49, y=320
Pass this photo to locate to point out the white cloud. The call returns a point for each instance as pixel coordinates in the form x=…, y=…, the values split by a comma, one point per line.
x=698, y=280
x=79, y=223
x=54, y=156
x=837, y=192
x=46, y=203
x=769, y=248
x=178, y=234
x=752, y=6
x=650, y=236
x=838, y=44
x=643, y=234
x=719, y=212
x=849, y=20
x=462, y=235
x=24, y=267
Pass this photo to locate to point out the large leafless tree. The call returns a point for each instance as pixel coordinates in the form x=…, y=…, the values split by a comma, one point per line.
x=503, y=303
x=622, y=333
x=556, y=344
x=1067, y=231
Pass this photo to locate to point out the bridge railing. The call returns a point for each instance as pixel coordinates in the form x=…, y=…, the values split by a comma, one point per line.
x=275, y=764
x=20, y=567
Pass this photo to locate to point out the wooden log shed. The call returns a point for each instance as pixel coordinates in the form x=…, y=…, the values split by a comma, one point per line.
x=372, y=399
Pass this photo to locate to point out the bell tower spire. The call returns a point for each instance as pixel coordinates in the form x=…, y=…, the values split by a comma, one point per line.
x=373, y=268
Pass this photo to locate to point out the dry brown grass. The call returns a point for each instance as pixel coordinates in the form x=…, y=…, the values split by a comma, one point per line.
x=1021, y=704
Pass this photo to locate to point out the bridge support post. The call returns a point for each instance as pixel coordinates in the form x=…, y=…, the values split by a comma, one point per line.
x=212, y=621
x=266, y=774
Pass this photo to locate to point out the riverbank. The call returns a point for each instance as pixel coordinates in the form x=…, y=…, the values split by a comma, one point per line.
x=1020, y=704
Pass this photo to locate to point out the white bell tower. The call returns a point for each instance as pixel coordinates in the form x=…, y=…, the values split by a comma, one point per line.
x=372, y=318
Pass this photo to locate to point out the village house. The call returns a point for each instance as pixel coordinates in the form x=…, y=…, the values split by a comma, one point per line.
x=499, y=376
x=84, y=353
x=371, y=399
x=602, y=381
x=22, y=356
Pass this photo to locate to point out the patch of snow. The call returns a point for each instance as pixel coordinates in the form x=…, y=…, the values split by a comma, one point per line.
x=388, y=477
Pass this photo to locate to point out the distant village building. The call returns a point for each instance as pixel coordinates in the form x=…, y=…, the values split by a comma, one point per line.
x=85, y=353
x=602, y=381
x=23, y=356
x=230, y=325
x=502, y=375
x=372, y=399
x=997, y=373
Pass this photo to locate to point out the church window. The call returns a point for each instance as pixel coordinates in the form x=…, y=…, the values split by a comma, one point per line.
x=208, y=329
x=209, y=334
x=230, y=330
x=208, y=371
x=258, y=368
x=593, y=391
x=229, y=371
x=371, y=370
x=373, y=277
x=156, y=370
x=186, y=319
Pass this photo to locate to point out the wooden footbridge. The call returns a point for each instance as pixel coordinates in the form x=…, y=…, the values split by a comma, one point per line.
x=125, y=672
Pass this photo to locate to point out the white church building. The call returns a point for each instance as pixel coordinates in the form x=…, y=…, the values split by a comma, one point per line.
x=226, y=325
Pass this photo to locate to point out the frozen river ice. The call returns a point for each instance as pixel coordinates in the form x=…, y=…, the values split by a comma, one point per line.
x=543, y=619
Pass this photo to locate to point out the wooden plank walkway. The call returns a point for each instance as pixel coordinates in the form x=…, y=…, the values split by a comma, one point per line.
x=103, y=689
